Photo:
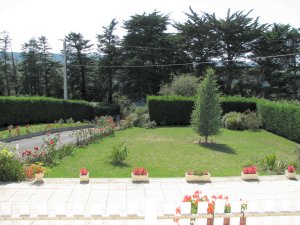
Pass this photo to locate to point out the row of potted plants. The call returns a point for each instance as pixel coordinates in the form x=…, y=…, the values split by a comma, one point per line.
x=142, y=175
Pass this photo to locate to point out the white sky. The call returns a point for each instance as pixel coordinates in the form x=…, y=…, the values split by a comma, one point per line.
x=24, y=19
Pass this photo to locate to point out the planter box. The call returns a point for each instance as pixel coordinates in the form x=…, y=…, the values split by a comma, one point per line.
x=195, y=178
x=140, y=178
x=84, y=178
x=290, y=175
x=39, y=176
x=249, y=176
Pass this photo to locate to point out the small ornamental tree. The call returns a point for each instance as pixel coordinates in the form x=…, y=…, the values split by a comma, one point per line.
x=206, y=116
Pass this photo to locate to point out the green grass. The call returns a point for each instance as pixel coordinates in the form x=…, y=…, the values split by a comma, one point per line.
x=4, y=133
x=169, y=152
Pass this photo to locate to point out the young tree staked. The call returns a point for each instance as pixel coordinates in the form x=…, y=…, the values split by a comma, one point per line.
x=206, y=116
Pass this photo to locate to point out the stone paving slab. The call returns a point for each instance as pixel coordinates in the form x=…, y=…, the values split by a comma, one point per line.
x=121, y=196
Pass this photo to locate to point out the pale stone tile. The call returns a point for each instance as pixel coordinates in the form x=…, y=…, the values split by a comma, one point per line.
x=60, y=195
x=22, y=195
x=6, y=194
x=98, y=195
x=41, y=195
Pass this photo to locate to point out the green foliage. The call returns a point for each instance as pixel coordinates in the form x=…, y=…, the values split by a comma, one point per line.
x=233, y=121
x=206, y=116
x=26, y=110
x=241, y=121
x=272, y=165
x=282, y=118
x=11, y=168
x=118, y=154
x=183, y=85
x=150, y=125
x=176, y=110
x=170, y=110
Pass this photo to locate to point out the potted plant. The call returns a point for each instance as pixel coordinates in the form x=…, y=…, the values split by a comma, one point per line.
x=140, y=175
x=193, y=176
x=249, y=173
x=35, y=170
x=290, y=172
x=84, y=175
x=244, y=207
x=227, y=209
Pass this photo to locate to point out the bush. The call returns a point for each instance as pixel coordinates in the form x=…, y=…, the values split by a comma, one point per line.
x=183, y=85
x=281, y=118
x=151, y=125
x=26, y=110
x=233, y=121
x=119, y=154
x=11, y=168
x=241, y=121
x=237, y=104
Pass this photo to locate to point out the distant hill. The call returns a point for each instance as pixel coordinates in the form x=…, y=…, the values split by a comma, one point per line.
x=56, y=56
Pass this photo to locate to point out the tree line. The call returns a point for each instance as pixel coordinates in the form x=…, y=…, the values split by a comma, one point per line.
x=250, y=58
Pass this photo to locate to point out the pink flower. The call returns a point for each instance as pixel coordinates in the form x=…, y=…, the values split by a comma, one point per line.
x=36, y=148
x=291, y=169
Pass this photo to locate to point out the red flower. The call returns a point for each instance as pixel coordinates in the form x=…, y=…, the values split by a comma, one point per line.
x=51, y=142
x=187, y=198
x=84, y=171
x=250, y=170
x=36, y=148
x=140, y=171
x=291, y=169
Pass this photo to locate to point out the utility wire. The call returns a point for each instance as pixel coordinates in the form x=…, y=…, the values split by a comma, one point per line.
x=186, y=64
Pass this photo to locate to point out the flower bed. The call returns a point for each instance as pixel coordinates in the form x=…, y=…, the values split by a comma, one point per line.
x=249, y=173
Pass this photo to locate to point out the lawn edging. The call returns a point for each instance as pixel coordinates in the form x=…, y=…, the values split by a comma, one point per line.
x=40, y=133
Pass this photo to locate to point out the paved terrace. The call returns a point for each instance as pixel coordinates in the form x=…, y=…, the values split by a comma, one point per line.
x=121, y=196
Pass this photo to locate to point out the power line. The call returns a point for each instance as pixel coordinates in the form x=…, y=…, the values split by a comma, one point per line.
x=186, y=64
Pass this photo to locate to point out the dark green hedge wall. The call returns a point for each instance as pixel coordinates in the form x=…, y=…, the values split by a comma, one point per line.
x=23, y=110
x=176, y=110
x=282, y=118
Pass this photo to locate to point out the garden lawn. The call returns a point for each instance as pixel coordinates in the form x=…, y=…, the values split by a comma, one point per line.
x=170, y=151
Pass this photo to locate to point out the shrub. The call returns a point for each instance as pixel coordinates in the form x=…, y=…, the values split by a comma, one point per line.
x=119, y=154
x=281, y=118
x=25, y=110
x=151, y=125
x=184, y=85
x=233, y=121
x=11, y=168
x=272, y=165
x=251, y=120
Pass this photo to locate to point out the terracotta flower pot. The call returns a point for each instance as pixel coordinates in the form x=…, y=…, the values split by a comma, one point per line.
x=210, y=221
x=226, y=221
x=243, y=220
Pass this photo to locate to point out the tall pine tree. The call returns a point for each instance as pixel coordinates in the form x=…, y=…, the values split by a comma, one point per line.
x=206, y=116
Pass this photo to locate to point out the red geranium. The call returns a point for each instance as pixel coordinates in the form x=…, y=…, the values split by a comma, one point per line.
x=291, y=169
x=250, y=170
x=36, y=148
x=140, y=171
x=51, y=142
x=84, y=171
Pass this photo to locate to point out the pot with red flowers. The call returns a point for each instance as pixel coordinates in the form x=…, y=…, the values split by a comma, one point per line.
x=249, y=173
x=84, y=175
x=197, y=176
x=140, y=175
x=290, y=172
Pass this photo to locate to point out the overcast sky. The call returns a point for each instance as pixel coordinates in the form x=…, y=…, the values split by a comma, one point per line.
x=24, y=19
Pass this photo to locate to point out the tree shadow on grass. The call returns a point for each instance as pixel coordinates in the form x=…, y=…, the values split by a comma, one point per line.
x=218, y=147
x=121, y=165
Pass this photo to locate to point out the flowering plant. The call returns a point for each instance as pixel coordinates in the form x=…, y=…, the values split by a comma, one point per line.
x=33, y=169
x=250, y=170
x=291, y=169
x=227, y=208
x=83, y=171
x=140, y=171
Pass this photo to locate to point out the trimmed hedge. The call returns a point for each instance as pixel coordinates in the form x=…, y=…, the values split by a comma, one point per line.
x=176, y=110
x=23, y=110
x=281, y=118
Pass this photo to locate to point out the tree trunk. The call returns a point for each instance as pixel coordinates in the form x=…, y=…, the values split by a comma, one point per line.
x=206, y=138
